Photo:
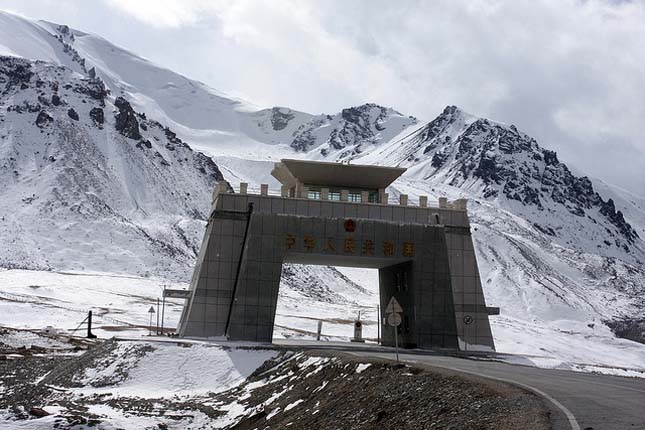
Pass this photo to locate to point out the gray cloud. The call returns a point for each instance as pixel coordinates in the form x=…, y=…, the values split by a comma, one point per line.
x=570, y=73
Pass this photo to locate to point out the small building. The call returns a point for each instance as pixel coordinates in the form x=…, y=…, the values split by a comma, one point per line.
x=335, y=181
x=340, y=215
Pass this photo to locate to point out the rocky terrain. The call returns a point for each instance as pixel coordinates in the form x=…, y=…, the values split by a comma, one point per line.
x=108, y=386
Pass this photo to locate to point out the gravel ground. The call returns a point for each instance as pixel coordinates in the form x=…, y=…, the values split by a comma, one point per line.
x=391, y=396
x=296, y=391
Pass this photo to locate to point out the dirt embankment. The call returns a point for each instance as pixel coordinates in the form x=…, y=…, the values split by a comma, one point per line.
x=354, y=394
x=295, y=391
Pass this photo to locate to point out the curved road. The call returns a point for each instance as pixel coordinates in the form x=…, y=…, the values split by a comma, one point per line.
x=578, y=401
x=595, y=402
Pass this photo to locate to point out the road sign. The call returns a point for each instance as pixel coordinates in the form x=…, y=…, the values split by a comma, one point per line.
x=393, y=312
x=393, y=307
x=394, y=319
x=176, y=294
x=151, y=311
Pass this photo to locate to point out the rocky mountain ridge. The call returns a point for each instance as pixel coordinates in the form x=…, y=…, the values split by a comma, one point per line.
x=500, y=163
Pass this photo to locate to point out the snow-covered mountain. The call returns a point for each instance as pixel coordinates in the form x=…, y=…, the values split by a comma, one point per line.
x=98, y=148
x=499, y=163
x=88, y=183
x=209, y=119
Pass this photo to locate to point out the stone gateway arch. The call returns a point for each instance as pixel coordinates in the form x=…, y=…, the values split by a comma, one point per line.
x=339, y=215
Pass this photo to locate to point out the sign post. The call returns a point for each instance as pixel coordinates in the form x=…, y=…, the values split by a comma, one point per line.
x=158, y=315
x=393, y=312
x=163, y=306
x=319, y=330
x=151, y=311
x=378, y=325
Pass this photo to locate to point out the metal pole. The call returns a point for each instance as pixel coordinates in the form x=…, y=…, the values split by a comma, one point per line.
x=157, y=315
x=90, y=335
x=163, y=307
x=89, y=324
x=237, y=272
x=396, y=342
x=150, y=328
x=378, y=324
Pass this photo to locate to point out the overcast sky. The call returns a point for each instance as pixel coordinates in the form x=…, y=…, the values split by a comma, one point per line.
x=571, y=73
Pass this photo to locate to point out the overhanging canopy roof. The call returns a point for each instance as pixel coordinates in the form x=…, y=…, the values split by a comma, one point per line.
x=288, y=172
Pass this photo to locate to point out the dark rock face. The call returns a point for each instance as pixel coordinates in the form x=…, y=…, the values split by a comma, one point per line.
x=126, y=119
x=173, y=140
x=56, y=100
x=632, y=329
x=25, y=106
x=356, y=126
x=72, y=114
x=438, y=159
x=510, y=164
x=305, y=137
x=436, y=127
x=351, y=128
x=98, y=116
x=616, y=217
x=144, y=143
x=204, y=164
x=279, y=119
x=43, y=119
x=15, y=72
x=94, y=88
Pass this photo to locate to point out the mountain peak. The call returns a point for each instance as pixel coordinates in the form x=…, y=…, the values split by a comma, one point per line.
x=498, y=162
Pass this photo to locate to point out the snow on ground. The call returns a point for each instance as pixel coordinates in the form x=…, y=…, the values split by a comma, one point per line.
x=33, y=299
x=37, y=299
x=177, y=382
x=17, y=339
x=174, y=384
x=173, y=369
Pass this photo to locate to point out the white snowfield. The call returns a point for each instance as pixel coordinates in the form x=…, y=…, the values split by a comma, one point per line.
x=171, y=370
x=553, y=254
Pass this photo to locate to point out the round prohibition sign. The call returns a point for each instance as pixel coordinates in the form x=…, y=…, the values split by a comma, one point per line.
x=394, y=319
x=468, y=320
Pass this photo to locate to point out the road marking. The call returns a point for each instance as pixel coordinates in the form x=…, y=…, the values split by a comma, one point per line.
x=570, y=417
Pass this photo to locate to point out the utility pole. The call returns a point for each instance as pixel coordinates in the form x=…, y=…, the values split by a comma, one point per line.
x=378, y=324
x=157, y=315
x=163, y=307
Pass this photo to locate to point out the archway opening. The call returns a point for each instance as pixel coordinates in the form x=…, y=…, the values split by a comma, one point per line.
x=329, y=297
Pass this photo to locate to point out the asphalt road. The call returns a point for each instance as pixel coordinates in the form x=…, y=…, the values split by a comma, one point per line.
x=595, y=402
x=578, y=401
